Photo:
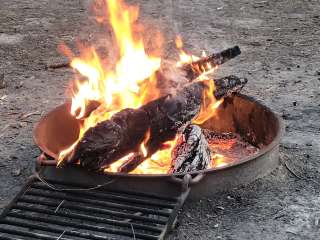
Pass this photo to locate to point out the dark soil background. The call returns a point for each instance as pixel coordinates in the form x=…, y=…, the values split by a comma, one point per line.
x=280, y=41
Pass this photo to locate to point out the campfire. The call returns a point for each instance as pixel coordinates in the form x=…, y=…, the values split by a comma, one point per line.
x=142, y=114
x=149, y=128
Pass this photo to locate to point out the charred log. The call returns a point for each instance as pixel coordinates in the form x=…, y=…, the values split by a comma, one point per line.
x=111, y=140
x=191, y=152
x=196, y=68
x=134, y=161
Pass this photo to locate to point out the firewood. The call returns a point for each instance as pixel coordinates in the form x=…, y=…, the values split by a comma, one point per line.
x=134, y=161
x=192, y=152
x=112, y=139
x=196, y=68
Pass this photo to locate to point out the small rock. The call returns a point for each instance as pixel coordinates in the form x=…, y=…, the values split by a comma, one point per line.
x=256, y=44
x=297, y=81
x=269, y=39
x=309, y=144
x=13, y=157
x=2, y=82
x=307, y=156
x=19, y=85
x=220, y=207
x=230, y=198
x=298, y=66
x=285, y=116
x=3, y=97
x=16, y=172
x=289, y=68
x=294, y=103
x=216, y=225
x=318, y=73
x=23, y=124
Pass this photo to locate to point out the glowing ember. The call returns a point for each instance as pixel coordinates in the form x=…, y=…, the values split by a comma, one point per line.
x=129, y=82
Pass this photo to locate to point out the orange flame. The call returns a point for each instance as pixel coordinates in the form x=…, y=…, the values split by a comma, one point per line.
x=117, y=88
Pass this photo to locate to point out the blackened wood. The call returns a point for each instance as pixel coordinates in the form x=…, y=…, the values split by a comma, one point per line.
x=112, y=139
x=125, y=131
x=134, y=161
x=192, y=152
x=58, y=65
x=227, y=85
x=196, y=68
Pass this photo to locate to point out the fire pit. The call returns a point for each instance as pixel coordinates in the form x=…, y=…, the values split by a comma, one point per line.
x=240, y=114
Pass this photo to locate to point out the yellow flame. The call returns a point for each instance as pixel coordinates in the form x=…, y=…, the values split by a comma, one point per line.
x=209, y=104
x=218, y=160
x=119, y=87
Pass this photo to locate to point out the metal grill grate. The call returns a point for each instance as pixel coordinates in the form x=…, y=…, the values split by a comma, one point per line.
x=40, y=212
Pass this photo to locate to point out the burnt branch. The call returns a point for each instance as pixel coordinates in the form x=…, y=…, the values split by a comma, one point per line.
x=196, y=68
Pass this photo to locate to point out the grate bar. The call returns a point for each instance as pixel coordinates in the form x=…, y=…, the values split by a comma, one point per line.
x=60, y=196
x=66, y=232
x=89, y=218
x=84, y=226
x=9, y=238
x=94, y=210
x=27, y=233
x=111, y=196
x=113, y=191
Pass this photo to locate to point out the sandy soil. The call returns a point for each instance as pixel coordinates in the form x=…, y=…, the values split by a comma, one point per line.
x=280, y=42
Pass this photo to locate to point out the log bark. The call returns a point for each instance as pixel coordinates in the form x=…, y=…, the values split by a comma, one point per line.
x=111, y=140
x=191, y=152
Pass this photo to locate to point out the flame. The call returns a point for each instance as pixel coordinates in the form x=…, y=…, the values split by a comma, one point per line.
x=218, y=160
x=129, y=81
x=184, y=57
x=209, y=103
x=124, y=86
x=158, y=163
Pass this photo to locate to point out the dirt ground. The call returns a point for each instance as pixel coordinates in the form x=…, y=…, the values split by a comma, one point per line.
x=280, y=41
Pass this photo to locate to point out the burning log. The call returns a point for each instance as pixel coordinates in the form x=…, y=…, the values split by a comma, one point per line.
x=196, y=68
x=113, y=139
x=134, y=161
x=191, y=152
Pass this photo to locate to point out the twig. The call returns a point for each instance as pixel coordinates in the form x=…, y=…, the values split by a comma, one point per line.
x=134, y=235
x=3, y=129
x=26, y=115
x=59, y=206
x=58, y=65
x=297, y=176
x=71, y=189
x=61, y=235
x=292, y=172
